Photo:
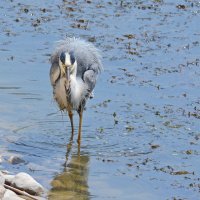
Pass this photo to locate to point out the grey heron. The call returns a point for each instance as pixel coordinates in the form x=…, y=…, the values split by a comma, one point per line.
x=75, y=66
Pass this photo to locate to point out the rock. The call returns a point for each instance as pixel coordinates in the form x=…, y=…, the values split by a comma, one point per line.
x=2, y=191
x=25, y=182
x=15, y=160
x=2, y=179
x=10, y=195
x=8, y=178
x=5, y=171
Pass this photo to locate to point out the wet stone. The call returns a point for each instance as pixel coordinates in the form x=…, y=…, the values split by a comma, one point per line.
x=15, y=160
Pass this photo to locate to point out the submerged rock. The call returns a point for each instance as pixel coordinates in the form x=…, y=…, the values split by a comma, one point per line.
x=15, y=160
x=25, y=182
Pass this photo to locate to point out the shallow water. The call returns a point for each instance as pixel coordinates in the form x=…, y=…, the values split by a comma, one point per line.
x=140, y=132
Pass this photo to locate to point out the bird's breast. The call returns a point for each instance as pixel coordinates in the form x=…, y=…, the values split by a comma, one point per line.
x=72, y=98
x=77, y=91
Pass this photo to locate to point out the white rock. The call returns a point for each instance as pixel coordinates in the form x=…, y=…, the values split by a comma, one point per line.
x=2, y=179
x=10, y=195
x=5, y=172
x=25, y=182
x=2, y=191
x=8, y=178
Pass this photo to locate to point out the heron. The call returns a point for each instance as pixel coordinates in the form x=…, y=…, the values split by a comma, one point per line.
x=75, y=66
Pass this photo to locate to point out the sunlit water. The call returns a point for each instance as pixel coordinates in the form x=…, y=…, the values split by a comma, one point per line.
x=140, y=132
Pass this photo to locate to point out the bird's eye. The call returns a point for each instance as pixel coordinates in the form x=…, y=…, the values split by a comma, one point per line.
x=72, y=57
x=62, y=57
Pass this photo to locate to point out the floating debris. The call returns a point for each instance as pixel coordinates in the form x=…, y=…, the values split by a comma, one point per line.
x=155, y=146
x=181, y=6
x=129, y=36
x=129, y=128
x=180, y=173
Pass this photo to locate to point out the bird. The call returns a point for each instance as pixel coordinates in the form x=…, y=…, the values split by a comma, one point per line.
x=75, y=67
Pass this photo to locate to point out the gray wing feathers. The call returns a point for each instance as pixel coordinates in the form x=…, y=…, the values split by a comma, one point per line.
x=54, y=73
x=90, y=78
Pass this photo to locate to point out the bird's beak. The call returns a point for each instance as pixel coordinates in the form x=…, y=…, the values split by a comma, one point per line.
x=67, y=72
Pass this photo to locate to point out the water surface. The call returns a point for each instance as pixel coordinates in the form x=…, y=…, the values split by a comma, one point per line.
x=140, y=132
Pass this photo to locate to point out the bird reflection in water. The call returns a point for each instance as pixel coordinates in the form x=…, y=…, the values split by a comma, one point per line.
x=72, y=184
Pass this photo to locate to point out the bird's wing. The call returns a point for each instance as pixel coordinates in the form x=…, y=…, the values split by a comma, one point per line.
x=54, y=73
x=90, y=77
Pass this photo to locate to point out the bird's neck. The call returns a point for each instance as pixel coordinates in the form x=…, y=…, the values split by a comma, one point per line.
x=73, y=70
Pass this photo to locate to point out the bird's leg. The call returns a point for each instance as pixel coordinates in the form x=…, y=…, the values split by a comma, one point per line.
x=70, y=113
x=80, y=125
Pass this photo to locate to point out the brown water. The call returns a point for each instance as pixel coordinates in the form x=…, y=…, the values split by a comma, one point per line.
x=140, y=132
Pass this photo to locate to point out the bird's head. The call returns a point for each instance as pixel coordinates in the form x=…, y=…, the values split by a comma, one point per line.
x=67, y=63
